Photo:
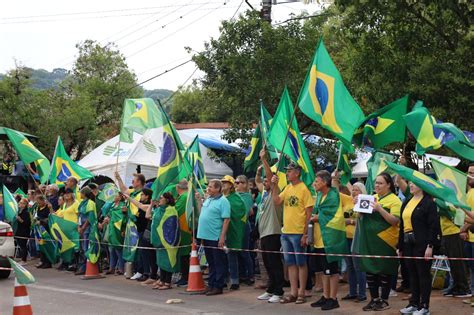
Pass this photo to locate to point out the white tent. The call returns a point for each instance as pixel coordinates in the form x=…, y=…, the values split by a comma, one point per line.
x=144, y=151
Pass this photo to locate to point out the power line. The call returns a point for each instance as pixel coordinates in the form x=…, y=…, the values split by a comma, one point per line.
x=94, y=12
x=179, y=87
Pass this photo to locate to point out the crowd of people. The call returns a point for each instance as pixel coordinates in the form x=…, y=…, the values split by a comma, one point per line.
x=297, y=229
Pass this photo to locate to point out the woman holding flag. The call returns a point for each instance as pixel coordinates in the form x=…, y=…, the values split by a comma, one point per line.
x=377, y=234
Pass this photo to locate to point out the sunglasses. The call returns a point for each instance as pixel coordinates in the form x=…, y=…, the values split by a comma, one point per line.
x=240, y=183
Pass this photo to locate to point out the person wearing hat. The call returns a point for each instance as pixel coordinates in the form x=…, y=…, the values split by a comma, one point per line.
x=297, y=207
x=235, y=233
x=68, y=211
x=214, y=219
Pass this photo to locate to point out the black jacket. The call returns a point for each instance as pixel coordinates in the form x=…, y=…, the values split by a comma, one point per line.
x=425, y=223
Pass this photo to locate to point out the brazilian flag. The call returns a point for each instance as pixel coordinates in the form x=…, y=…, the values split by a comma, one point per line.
x=66, y=234
x=117, y=221
x=375, y=166
x=325, y=99
x=344, y=165
x=384, y=126
x=87, y=207
x=294, y=148
x=193, y=160
x=165, y=236
x=130, y=242
x=47, y=245
x=238, y=219
x=456, y=140
x=20, y=192
x=332, y=223
x=171, y=159
x=139, y=114
x=256, y=144
x=28, y=153
x=428, y=185
x=64, y=167
x=93, y=251
x=186, y=234
x=10, y=207
x=375, y=236
x=265, y=123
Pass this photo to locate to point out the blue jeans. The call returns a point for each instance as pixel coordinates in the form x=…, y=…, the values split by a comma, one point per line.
x=357, y=279
x=233, y=259
x=84, y=247
x=116, y=260
x=247, y=265
x=148, y=258
x=218, y=266
x=469, y=253
x=292, y=243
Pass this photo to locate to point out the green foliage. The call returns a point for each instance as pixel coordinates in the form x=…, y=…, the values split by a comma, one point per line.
x=162, y=95
x=84, y=109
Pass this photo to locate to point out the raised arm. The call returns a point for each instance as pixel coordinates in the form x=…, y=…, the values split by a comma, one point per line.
x=120, y=183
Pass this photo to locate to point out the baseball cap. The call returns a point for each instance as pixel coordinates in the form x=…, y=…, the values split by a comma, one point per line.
x=229, y=179
x=293, y=166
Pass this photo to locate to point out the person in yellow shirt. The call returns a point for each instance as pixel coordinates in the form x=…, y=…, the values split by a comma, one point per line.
x=70, y=209
x=419, y=232
x=468, y=227
x=297, y=205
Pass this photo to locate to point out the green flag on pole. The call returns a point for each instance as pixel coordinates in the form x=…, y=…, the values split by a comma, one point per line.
x=344, y=165
x=28, y=153
x=23, y=276
x=375, y=166
x=64, y=167
x=384, y=126
x=456, y=140
x=10, y=207
x=108, y=192
x=139, y=114
x=294, y=148
x=47, y=245
x=256, y=144
x=20, y=192
x=325, y=99
x=65, y=232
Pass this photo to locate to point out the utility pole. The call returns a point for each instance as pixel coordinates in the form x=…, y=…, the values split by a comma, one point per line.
x=266, y=13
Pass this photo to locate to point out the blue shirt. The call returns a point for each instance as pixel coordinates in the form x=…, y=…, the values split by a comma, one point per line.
x=211, y=219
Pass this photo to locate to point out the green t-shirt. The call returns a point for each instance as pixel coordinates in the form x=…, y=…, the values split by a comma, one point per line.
x=238, y=219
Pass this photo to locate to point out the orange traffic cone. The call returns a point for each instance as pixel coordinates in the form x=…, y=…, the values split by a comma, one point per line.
x=21, y=300
x=92, y=272
x=195, y=281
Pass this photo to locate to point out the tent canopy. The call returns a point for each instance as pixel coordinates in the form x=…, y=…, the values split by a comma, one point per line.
x=145, y=151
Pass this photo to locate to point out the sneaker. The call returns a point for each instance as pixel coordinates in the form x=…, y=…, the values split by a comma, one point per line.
x=319, y=302
x=181, y=283
x=423, y=311
x=461, y=294
x=234, y=287
x=467, y=301
x=349, y=297
x=266, y=296
x=370, y=306
x=143, y=278
x=136, y=276
x=23, y=263
x=409, y=309
x=275, y=299
x=448, y=292
x=381, y=305
x=330, y=304
x=393, y=293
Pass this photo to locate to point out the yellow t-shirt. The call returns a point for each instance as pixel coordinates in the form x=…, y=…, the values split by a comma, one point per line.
x=448, y=227
x=347, y=204
x=391, y=203
x=70, y=213
x=296, y=198
x=407, y=212
x=470, y=203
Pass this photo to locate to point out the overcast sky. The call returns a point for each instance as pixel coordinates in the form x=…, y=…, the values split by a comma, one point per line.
x=151, y=34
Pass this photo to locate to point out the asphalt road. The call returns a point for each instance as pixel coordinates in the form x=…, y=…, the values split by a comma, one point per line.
x=63, y=293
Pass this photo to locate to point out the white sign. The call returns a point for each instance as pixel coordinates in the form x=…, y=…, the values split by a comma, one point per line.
x=363, y=204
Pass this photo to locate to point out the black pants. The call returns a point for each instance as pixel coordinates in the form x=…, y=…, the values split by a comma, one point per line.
x=148, y=258
x=377, y=281
x=406, y=279
x=165, y=276
x=22, y=243
x=454, y=247
x=184, y=260
x=419, y=271
x=273, y=263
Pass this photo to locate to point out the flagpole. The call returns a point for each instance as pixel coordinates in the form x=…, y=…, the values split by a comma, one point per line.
x=286, y=136
x=54, y=157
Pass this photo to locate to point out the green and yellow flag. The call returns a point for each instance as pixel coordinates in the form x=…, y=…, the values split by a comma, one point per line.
x=171, y=160
x=28, y=153
x=194, y=161
x=256, y=144
x=344, y=165
x=325, y=99
x=108, y=192
x=238, y=219
x=266, y=123
x=375, y=166
x=10, y=207
x=130, y=241
x=46, y=244
x=22, y=275
x=165, y=236
x=428, y=184
x=93, y=252
x=64, y=167
x=116, y=225
x=294, y=148
x=384, y=126
x=66, y=234
x=20, y=192
x=456, y=140
x=333, y=225
x=139, y=114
